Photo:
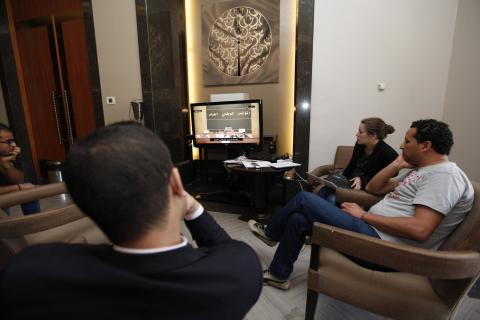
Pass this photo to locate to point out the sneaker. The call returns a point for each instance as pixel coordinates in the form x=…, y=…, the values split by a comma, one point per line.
x=271, y=280
x=258, y=230
x=308, y=240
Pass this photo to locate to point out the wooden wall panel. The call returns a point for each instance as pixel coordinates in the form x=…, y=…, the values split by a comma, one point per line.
x=29, y=9
x=38, y=72
x=76, y=58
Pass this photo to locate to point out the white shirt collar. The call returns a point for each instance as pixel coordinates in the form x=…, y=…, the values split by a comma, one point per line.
x=183, y=243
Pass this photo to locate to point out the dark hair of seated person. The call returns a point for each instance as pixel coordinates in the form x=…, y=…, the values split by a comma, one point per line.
x=119, y=177
x=437, y=132
x=4, y=127
x=378, y=127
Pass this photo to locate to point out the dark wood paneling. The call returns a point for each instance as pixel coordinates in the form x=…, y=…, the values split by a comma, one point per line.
x=76, y=63
x=35, y=53
x=29, y=9
x=93, y=63
x=16, y=101
x=161, y=33
x=12, y=95
x=303, y=81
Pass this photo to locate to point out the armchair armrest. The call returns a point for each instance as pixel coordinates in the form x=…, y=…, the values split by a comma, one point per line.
x=431, y=263
x=360, y=197
x=39, y=192
x=15, y=227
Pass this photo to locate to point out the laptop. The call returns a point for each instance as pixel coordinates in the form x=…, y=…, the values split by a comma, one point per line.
x=334, y=180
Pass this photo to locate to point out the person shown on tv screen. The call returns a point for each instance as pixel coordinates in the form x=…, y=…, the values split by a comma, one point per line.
x=370, y=155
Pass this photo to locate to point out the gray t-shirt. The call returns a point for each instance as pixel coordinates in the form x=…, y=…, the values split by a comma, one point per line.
x=443, y=187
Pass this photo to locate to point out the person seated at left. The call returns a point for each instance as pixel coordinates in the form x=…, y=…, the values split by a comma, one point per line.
x=11, y=177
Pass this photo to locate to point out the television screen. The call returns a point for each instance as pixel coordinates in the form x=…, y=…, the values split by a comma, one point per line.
x=236, y=122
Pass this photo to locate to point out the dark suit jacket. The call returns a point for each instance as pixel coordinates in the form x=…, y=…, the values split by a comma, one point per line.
x=382, y=155
x=222, y=279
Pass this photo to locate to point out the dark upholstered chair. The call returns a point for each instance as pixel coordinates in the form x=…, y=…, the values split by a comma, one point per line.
x=65, y=224
x=429, y=284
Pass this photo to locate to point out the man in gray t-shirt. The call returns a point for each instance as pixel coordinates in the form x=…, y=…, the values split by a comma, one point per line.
x=429, y=197
x=442, y=187
x=426, y=198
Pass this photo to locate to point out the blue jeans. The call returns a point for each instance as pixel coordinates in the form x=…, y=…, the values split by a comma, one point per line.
x=327, y=194
x=27, y=208
x=291, y=224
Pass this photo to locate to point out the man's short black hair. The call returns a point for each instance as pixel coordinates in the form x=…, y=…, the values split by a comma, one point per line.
x=437, y=132
x=4, y=127
x=119, y=176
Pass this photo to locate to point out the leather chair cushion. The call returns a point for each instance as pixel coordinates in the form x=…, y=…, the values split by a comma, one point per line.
x=381, y=291
x=80, y=231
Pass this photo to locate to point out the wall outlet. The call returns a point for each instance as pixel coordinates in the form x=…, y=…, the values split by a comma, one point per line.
x=110, y=100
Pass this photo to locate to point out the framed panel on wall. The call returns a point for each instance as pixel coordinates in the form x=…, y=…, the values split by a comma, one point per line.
x=240, y=42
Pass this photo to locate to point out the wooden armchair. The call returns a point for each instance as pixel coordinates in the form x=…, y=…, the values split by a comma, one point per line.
x=429, y=284
x=65, y=224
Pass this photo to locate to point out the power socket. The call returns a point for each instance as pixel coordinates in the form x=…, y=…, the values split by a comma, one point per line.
x=110, y=100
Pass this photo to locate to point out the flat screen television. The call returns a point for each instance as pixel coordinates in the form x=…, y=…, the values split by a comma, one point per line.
x=227, y=122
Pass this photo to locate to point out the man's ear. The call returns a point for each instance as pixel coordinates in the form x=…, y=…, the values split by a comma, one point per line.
x=426, y=146
x=176, y=184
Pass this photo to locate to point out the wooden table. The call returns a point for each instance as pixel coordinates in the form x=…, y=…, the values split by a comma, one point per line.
x=262, y=183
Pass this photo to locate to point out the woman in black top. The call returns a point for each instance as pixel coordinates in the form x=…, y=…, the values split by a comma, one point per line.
x=370, y=155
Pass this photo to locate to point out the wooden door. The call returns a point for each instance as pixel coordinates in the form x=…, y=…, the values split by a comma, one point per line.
x=55, y=64
x=39, y=75
x=42, y=131
x=79, y=94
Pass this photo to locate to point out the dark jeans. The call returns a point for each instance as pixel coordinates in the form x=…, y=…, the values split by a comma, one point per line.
x=291, y=224
x=327, y=194
x=27, y=208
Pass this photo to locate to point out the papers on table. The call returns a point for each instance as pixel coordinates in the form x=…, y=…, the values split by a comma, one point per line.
x=233, y=161
x=284, y=164
x=256, y=164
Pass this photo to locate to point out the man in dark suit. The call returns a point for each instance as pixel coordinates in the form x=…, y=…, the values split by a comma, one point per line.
x=123, y=178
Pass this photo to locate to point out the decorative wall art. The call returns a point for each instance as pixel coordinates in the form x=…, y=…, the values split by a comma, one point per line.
x=240, y=42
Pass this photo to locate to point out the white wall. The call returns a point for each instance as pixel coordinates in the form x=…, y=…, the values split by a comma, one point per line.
x=118, y=57
x=462, y=105
x=404, y=43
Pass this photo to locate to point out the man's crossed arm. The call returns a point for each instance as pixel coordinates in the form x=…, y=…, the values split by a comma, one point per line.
x=419, y=227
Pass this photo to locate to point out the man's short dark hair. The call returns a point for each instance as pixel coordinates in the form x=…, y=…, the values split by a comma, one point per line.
x=119, y=176
x=4, y=127
x=437, y=132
